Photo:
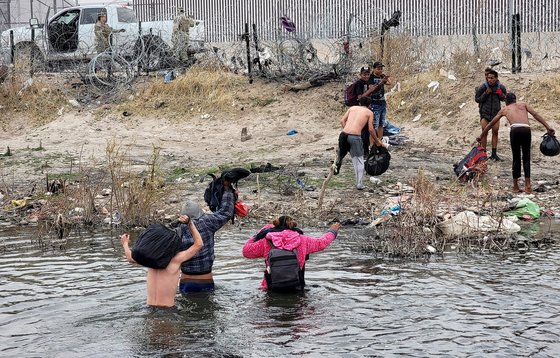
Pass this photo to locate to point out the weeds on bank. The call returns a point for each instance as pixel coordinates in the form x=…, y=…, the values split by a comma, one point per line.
x=199, y=90
x=412, y=232
x=108, y=193
x=35, y=98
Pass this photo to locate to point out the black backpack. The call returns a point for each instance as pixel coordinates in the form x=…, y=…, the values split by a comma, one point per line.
x=377, y=161
x=215, y=190
x=283, y=273
x=156, y=246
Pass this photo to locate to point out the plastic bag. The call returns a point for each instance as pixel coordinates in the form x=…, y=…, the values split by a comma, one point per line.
x=549, y=145
x=525, y=208
x=378, y=161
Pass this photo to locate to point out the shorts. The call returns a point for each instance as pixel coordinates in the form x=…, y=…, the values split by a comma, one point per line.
x=356, y=145
x=379, y=114
x=187, y=286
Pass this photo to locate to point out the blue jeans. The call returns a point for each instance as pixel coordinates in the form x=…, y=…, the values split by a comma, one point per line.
x=379, y=112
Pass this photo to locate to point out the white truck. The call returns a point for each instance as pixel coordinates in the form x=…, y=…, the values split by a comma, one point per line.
x=69, y=35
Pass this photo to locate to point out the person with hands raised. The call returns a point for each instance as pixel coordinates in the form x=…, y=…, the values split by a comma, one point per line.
x=162, y=284
x=283, y=233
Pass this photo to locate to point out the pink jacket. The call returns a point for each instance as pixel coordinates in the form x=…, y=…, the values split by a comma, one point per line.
x=288, y=240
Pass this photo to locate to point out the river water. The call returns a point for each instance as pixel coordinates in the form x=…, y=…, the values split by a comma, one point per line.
x=80, y=298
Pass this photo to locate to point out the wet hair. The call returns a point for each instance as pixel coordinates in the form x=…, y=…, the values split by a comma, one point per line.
x=511, y=98
x=491, y=72
x=364, y=101
x=285, y=221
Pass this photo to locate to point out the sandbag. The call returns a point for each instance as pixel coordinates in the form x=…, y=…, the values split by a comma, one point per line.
x=549, y=145
x=377, y=161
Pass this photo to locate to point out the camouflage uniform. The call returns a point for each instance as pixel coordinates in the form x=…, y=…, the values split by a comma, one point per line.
x=180, y=37
x=102, y=33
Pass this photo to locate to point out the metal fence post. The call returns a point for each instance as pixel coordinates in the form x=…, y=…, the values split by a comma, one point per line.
x=246, y=35
x=12, y=47
x=31, y=51
x=516, y=43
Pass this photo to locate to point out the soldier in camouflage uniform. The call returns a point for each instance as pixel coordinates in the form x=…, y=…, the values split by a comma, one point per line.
x=180, y=37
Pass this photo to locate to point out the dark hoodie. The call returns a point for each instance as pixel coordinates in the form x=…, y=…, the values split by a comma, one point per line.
x=489, y=104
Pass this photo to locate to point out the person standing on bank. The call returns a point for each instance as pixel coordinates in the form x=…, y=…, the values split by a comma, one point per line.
x=350, y=139
x=488, y=97
x=376, y=91
x=361, y=90
x=520, y=137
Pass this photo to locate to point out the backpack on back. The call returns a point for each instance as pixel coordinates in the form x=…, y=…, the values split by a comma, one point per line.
x=156, y=246
x=473, y=165
x=350, y=96
x=283, y=273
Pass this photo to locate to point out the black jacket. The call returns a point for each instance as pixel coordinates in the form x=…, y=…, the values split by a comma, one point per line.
x=489, y=104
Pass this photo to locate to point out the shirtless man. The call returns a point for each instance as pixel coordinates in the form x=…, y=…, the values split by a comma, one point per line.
x=162, y=283
x=350, y=140
x=520, y=137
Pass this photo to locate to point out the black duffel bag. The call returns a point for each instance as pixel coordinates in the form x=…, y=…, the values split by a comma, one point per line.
x=377, y=161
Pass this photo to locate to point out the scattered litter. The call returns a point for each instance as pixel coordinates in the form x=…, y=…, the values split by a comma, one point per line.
x=433, y=85
x=417, y=118
x=462, y=105
x=451, y=77
x=292, y=132
x=467, y=222
x=74, y=103
x=374, y=180
x=394, y=210
x=168, y=77
x=19, y=203
x=26, y=85
x=431, y=249
x=205, y=116
x=126, y=114
x=245, y=135
x=525, y=209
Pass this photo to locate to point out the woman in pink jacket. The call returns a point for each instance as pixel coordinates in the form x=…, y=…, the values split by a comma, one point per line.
x=284, y=234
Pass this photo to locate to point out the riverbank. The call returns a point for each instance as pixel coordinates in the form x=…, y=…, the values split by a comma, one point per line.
x=161, y=151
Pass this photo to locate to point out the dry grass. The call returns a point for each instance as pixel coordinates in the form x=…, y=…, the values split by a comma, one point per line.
x=197, y=91
x=39, y=100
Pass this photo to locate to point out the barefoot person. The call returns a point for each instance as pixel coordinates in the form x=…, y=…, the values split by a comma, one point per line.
x=350, y=140
x=520, y=137
x=162, y=283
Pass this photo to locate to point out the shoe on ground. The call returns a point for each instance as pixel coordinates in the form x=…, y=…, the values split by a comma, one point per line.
x=336, y=169
x=360, y=187
x=496, y=158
